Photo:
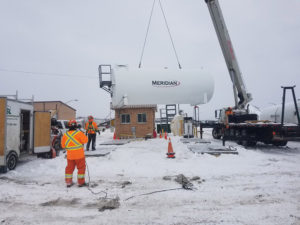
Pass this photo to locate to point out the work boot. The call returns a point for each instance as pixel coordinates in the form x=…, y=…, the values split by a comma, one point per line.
x=82, y=185
x=87, y=149
x=93, y=149
x=69, y=184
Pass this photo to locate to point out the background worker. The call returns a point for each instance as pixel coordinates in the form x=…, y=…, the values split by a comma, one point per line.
x=228, y=112
x=73, y=141
x=91, y=129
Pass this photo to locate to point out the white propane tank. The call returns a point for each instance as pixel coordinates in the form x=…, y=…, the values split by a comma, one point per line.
x=142, y=87
x=273, y=113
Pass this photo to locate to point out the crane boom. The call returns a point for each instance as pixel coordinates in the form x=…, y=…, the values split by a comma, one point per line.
x=241, y=96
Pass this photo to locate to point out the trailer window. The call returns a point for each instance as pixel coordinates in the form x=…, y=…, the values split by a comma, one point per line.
x=142, y=118
x=125, y=118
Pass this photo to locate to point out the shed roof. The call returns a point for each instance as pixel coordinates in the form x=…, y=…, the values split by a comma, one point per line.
x=55, y=102
x=136, y=107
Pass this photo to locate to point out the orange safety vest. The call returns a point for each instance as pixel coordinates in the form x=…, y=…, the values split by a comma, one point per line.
x=228, y=112
x=73, y=141
x=91, y=127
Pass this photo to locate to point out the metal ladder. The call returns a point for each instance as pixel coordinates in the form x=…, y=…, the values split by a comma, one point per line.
x=167, y=114
x=170, y=112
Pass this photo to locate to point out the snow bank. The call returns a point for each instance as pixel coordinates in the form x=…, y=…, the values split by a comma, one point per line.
x=258, y=186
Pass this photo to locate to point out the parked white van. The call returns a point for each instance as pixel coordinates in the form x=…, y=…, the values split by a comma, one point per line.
x=62, y=125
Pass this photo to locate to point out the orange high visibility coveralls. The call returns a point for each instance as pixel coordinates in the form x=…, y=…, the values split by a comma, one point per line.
x=73, y=141
x=91, y=127
x=227, y=113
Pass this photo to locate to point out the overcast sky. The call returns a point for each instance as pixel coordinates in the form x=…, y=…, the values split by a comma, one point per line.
x=73, y=37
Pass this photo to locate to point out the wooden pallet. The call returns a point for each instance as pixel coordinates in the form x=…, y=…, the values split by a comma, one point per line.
x=213, y=150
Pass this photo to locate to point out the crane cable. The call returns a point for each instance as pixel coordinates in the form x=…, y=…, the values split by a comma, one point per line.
x=162, y=10
x=140, y=64
x=147, y=32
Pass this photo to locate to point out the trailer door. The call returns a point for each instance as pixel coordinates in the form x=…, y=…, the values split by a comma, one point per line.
x=3, y=106
x=42, y=132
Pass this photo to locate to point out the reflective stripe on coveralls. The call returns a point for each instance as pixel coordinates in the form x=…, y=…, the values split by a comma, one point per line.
x=80, y=176
x=69, y=176
x=75, y=148
x=77, y=145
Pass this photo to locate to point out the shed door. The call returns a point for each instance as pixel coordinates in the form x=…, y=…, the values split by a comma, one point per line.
x=2, y=130
x=42, y=132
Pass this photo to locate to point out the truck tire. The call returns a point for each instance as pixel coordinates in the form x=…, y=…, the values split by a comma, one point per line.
x=279, y=143
x=248, y=143
x=251, y=143
x=216, y=133
x=239, y=142
x=12, y=160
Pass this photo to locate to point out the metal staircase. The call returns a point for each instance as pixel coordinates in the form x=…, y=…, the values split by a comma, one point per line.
x=166, y=116
x=105, y=73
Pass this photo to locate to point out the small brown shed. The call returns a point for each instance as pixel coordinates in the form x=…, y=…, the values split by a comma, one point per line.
x=58, y=109
x=135, y=121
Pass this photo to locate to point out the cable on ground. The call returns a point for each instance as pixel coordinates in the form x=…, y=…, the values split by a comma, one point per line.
x=89, y=188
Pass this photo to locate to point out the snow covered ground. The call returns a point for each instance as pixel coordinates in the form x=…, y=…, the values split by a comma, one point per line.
x=260, y=185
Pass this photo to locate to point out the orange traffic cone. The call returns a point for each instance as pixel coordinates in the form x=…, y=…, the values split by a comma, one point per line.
x=115, y=136
x=166, y=135
x=160, y=136
x=170, y=153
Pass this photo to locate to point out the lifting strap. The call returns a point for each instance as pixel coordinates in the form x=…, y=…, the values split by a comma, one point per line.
x=140, y=64
x=149, y=22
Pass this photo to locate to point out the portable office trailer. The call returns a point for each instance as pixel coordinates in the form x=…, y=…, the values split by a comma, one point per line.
x=21, y=131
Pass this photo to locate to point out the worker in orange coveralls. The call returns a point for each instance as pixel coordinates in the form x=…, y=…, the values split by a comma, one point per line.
x=228, y=112
x=91, y=129
x=73, y=141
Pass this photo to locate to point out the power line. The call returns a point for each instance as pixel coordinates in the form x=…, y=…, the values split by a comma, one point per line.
x=48, y=74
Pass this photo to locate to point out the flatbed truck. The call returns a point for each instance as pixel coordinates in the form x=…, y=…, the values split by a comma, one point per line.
x=236, y=123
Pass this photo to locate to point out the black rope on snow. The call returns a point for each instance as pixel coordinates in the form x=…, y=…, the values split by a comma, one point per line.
x=149, y=22
x=163, y=12
x=185, y=186
x=88, y=185
x=153, y=192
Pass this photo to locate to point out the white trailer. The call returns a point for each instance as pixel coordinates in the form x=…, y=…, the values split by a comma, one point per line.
x=22, y=131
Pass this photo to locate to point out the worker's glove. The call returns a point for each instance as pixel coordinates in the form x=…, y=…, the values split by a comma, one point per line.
x=86, y=133
x=98, y=132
